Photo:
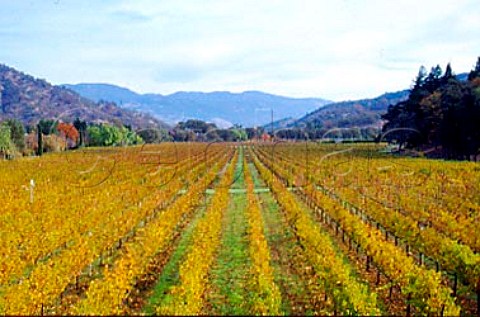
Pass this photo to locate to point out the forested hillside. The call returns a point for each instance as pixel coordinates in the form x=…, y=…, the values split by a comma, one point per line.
x=441, y=111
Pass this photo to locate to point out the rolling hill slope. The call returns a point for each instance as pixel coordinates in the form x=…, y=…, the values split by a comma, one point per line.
x=28, y=99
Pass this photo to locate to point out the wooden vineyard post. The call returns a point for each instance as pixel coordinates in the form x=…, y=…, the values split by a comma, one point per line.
x=478, y=301
x=408, y=312
x=478, y=298
x=455, y=282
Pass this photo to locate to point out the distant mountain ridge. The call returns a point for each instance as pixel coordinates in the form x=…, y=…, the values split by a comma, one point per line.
x=97, y=92
x=28, y=99
x=250, y=108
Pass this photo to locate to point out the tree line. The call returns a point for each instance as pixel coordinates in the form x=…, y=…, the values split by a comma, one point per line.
x=441, y=114
x=52, y=136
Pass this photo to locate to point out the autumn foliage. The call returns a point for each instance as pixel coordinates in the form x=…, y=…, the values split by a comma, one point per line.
x=68, y=131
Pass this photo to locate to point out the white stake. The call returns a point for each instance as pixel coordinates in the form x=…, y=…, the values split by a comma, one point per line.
x=32, y=186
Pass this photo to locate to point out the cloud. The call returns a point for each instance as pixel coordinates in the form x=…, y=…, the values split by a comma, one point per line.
x=178, y=74
x=333, y=49
x=131, y=16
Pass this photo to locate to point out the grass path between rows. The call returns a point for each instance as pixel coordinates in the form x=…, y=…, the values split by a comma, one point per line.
x=283, y=242
x=228, y=292
x=170, y=274
x=290, y=269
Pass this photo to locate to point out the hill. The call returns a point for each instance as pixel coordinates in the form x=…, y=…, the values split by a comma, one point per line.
x=355, y=113
x=250, y=108
x=279, y=124
x=28, y=99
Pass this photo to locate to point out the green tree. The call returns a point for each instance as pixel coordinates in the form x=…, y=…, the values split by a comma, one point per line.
x=128, y=136
x=94, y=135
x=197, y=126
x=47, y=126
x=109, y=135
x=254, y=132
x=226, y=135
x=6, y=144
x=17, y=132
x=409, y=114
x=239, y=134
x=459, y=128
x=153, y=135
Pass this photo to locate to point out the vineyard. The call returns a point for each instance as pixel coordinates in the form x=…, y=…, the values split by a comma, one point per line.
x=239, y=229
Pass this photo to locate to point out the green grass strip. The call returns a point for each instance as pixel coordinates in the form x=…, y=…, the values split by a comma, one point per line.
x=229, y=276
x=170, y=276
x=231, y=272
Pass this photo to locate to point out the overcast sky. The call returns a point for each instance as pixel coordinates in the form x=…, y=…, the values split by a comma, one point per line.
x=335, y=49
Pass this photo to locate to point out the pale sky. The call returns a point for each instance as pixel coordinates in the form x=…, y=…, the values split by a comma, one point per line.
x=335, y=49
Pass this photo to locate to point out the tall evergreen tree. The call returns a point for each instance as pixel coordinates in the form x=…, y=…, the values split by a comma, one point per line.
x=447, y=76
x=420, y=79
x=81, y=126
x=39, y=140
x=433, y=80
x=475, y=71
